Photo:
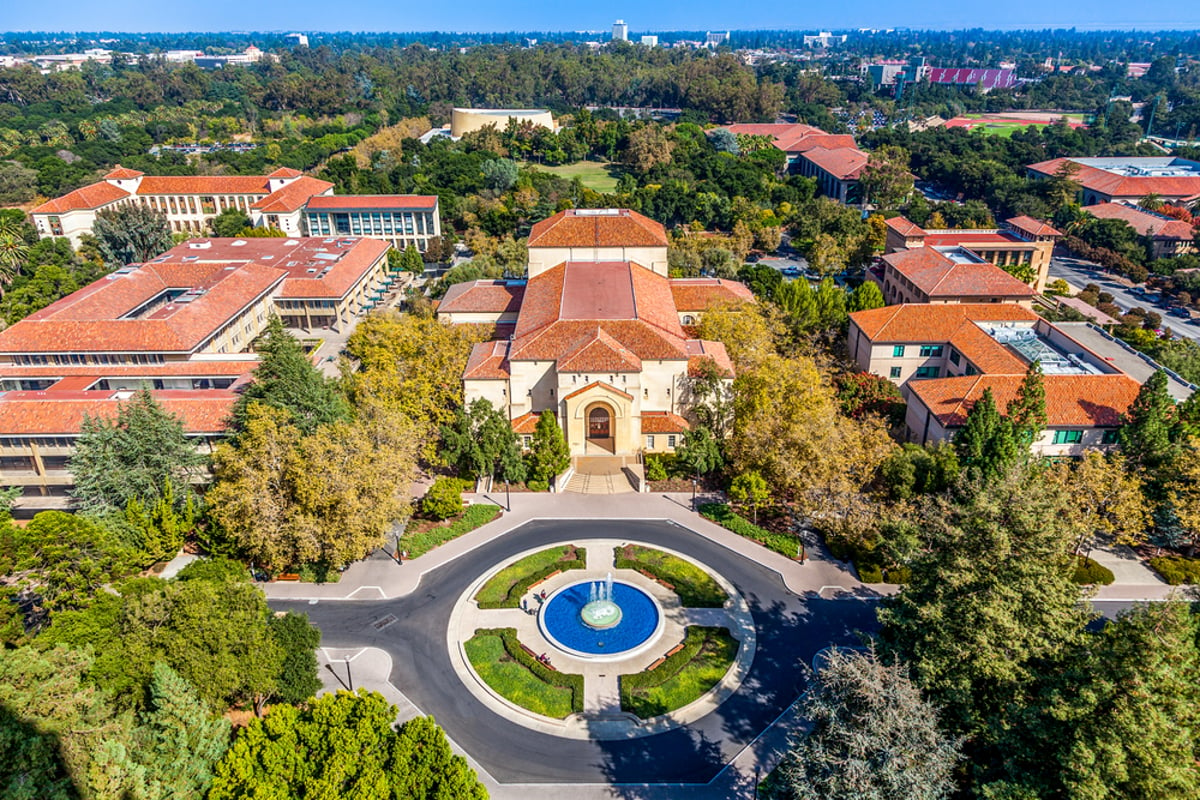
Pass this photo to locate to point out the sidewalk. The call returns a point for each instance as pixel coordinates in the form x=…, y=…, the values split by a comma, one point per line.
x=380, y=577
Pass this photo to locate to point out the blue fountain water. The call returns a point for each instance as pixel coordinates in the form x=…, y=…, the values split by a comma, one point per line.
x=561, y=619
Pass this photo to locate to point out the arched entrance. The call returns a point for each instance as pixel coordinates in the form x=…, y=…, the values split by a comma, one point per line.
x=600, y=427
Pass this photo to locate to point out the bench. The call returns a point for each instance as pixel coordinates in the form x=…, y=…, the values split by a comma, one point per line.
x=657, y=579
x=288, y=576
x=656, y=664
x=674, y=650
x=546, y=578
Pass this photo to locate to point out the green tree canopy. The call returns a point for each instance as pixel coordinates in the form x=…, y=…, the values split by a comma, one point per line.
x=1150, y=431
x=482, y=442
x=131, y=234
x=1027, y=411
x=549, y=453
x=986, y=445
x=229, y=223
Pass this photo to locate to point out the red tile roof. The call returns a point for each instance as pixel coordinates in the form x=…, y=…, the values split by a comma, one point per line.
x=1117, y=185
x=1144, y=222
x=843, y=163
x=286, y=172
x=62, y=413
x=598, y=352
x=120, y=173
x=488, y=361
x=1083, y=401
x=663, y=422
x=482, y=297
x=809, y=141
x=96, y=195
x=933, y=323
x=1033, y=227
x=698, y=294
x=702, y=350
x=292, y=196
x=598, y=228
x=905, y=226
x=775, y=130
x=203, y=184
x=356, y=202
x=939, y=276
x=598, y=384
x=526, y=423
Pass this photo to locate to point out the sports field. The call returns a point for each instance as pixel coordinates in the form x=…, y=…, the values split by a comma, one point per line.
x=595, y=175
x=1007, y=123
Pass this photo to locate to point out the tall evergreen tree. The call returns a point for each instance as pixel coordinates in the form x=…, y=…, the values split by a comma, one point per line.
x=131, y=234
x=178, y=739
x=298, y=639
x=986, y=445
x=549, y=453
x=1150, y=430
x=411, y=261
x=482, y=442
x=132, y=457
x=1027, y=411
x=286, y=379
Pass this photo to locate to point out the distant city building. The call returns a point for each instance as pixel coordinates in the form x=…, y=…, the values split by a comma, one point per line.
x=899, y=74
x=824, y=39
x=467, y=120
x=650, y=41
x=620, y=31
x=251, y=55
x=297, y=39
x=1128, y=179
x=716, y=39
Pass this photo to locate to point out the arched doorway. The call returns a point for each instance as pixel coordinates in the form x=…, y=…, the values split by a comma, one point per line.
x=600, y=427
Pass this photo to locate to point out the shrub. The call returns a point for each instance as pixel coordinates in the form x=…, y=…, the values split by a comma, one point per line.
x=655, y=469
x=720, y=513
x=422, y=542
x=1177, y=570
x=695, y=587
x=444, y=498
x=534, y=485
x=870, y=573
x=1088, y=572
x=505, y=588
x=682, y=678
x=550, y=677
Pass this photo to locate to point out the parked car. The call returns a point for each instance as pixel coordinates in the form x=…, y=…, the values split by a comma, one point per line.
x=791, y=272
x=1180, y=311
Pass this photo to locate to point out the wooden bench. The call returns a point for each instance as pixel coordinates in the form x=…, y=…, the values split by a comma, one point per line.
x=656, y=664
x=657, y=579
x=288, y=576
x=674, y=650
x=528, y=650
x=543, y=580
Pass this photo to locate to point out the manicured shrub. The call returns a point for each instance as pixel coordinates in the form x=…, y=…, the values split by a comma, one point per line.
x=1177, y=570
x=419, y=543
x=695, y=587
x=534, y=485
x=506, y=587
x=1088, y=572
x=721, y=514
x=655, y=469
x=443, y=500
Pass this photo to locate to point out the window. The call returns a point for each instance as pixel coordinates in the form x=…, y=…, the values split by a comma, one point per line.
x=931, y=351
x=895, y=372
x=928, y=372
x=1068, y=437
x=526, y=441
x=671, y=441
x=898, y=351
x=955, y=358
x=649, y=442
x=1110, y=437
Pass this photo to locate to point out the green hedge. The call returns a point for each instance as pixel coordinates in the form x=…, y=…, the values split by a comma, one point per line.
x=473, y=516
x=695, y=587
x=684, y=677
x=519, y=677
x=504, y=589
x=720, y=513
x=1088, y=572
x=1177, y=570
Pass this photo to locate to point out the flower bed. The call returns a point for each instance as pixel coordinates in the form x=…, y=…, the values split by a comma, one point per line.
x=695, y=587
x=516, y=675
x=505, y=588
x=682, y=678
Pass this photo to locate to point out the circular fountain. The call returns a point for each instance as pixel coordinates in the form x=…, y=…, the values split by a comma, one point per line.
x=601, y=620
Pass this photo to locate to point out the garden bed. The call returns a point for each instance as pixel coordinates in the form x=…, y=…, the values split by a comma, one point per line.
x=516, y=675
x=720, y=513
x=695, y=587
x=505, y=588
x=421, y=536
x=683, y=677
x=1176, y=570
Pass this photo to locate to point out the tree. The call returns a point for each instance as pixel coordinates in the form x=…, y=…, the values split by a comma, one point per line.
x=131, y=234
x=700, y=452
x=872, y=737
x=990, y=598
x=745, y=329
x=17, y=183
x=1109, y=500
x=286, y=379
x=549, y=453
x=481, y=442
x=724, y=141
x=342, y=745
x=132, y=456
x=1062, y=188
x=178, y=740
x=163, y=525
x=866, y=296
x=443, y=499
x=13, y=249
x=229, y=223
x=411, y=261
x=750, y=489
x=1027, y=410
x=500, y=174
x=885, y=180
x=299, y=640
x=648, y=147
x=1149, y=432
x=986, y=445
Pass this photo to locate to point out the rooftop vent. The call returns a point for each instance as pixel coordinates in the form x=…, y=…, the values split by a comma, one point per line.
x=199, y=245
x=238, y=243
x=291, y=243
x=597, y=212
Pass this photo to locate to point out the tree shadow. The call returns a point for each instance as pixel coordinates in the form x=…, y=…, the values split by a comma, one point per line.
x=31, y=761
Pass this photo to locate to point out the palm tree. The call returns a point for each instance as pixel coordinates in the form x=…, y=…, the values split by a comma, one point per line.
x=13, y=250
x=1151, y=202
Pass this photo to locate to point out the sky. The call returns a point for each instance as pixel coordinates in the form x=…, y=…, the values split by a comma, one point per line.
x=540, y=15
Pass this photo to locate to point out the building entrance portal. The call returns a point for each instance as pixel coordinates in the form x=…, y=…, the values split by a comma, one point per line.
x=599, y=423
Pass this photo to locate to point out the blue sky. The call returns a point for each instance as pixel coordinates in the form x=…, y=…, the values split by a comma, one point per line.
x=491, y=15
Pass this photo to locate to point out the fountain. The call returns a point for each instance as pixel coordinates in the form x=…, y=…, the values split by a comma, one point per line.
x=601, y=610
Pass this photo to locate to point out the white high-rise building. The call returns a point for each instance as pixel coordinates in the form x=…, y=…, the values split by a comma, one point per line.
x=620, y=31
x=650, y=41
x=297, y=39
x=716, y=39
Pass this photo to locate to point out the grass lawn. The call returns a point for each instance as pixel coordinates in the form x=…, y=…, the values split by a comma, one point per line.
x=598, y=176
x=695, y=587
x=504, y=589
x=421, y=537
x=516, y=676
x=723, y=515
x=684, y=677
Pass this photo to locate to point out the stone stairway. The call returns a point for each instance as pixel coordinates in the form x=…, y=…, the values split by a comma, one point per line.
x=599, y=475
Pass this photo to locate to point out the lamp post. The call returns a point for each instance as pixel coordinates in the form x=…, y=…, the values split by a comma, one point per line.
x=694, y=483
x=507, y=497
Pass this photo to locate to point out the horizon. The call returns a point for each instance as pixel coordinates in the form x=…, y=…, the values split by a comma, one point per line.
x=1098, y=27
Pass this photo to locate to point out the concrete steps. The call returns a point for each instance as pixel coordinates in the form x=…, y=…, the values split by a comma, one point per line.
x=602, y=476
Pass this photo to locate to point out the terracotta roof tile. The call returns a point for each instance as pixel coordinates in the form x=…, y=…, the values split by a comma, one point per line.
x=594, y=384
x=120, y=173
x=95, y=195
x=810, y=141
x=61, y=413
x=936, y=275
x=775, y=130
x=663, y=422
x=1032, y=226
x=488, y=361
x=598, y=228
x=702, y=350
x=203, y=184
x=598, y=352
x=292, y=196
x=482, y=297
x=933, y=323
x=526, y=423
x=1144, y=222
x=285, y=172
x=1117, y=185
x=700, y=294
x=843, y=163
x=1071, y=400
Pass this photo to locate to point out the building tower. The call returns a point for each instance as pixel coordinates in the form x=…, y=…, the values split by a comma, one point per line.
x=620, y=31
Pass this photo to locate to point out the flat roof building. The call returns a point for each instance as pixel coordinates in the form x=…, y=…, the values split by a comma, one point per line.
x=1128, y=179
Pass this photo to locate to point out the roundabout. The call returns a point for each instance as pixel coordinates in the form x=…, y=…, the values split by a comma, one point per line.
x=414, y=631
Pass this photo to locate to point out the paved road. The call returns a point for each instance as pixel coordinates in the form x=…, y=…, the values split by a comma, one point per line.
x=791, y=630
x=1079, y=273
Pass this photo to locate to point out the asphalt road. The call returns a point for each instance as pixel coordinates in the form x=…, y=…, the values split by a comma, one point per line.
x=1079, y=273
x=791, y=630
